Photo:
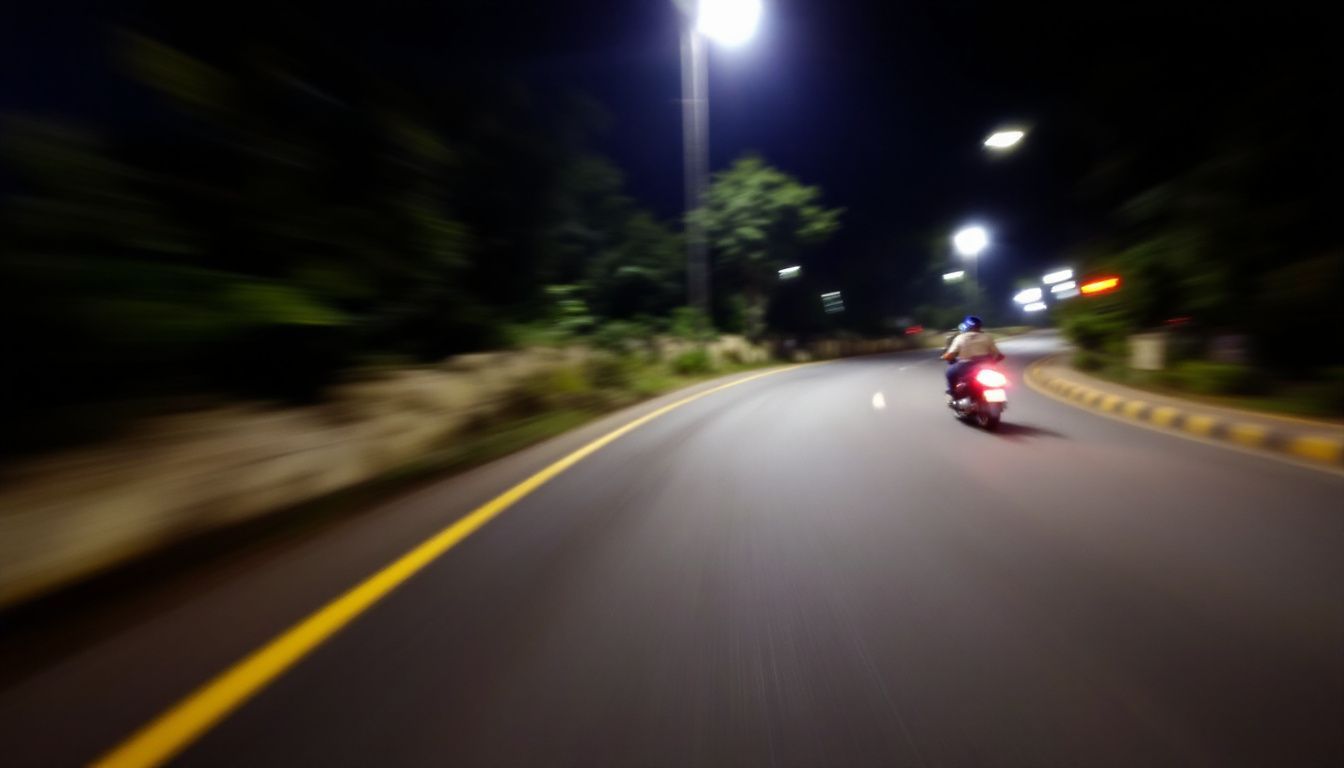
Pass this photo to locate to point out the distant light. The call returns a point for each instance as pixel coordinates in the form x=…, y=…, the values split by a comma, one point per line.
x=729, y=22
x=1035, y=306
x=970, y=241
x=1028, y=296
x=1001, y=140
x=789, y=273
x=1067, y=285
x=832, y=302
x=952, y=277
x=991, y=378
x=1100, y=286
x=1069, y=294
x=1055, y=277
x=879, y=402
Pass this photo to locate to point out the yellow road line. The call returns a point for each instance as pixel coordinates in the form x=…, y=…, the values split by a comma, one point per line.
x=189, y=719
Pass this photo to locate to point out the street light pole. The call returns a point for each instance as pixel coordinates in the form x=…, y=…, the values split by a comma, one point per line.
x=694, y=128
x=729, y=22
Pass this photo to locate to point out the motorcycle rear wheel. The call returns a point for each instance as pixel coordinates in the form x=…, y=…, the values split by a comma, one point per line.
x=988, y=416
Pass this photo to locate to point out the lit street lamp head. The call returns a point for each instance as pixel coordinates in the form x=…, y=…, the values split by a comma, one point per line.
x=1002, y=141
x=970, y=241
x=728, y=22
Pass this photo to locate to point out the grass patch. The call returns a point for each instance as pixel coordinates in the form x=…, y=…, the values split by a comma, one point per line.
x=1283, y=398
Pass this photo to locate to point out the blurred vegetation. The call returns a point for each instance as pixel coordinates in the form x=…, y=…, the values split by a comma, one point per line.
x=1212, y=202
x=1228, y=243
x=759, y=219
x=283, y=218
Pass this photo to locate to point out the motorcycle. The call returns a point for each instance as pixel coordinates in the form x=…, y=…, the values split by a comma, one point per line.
x=980, y=396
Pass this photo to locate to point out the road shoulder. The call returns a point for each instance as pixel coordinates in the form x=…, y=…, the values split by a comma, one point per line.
x=1316, y=444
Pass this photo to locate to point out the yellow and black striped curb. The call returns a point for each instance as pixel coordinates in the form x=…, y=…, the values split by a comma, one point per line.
x=1315, y=448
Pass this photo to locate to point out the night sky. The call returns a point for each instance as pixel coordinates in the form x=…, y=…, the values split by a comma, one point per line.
x=882, y=104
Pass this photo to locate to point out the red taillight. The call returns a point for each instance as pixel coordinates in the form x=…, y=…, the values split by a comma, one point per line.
x=988, y=377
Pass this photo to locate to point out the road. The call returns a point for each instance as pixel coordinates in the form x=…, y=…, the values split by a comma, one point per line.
x=791, y=571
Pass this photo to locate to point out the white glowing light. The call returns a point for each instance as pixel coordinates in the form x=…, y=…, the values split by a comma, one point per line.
x=970, y=241
x=1036, y=306
x=1067, y=285
x=952, y=277
x=1001, y=140
x=1055, y=277
x=789, y=272
x=729, y=22
x=1028, y=296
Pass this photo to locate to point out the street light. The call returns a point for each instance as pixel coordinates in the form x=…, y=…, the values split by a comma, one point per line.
x=788, y=273
x=1058, y=275
x=954, y=277
x=1028, y=296
x=1002, y=141
x=729, y=22
x=970, y=241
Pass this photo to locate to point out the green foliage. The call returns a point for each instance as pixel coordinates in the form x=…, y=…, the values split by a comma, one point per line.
x=691, y=324
x=693, y=361
x=1291, y=293
x=1088, y=360
x=559, y=388
x=758, y=219
x=300, y=218
x=570, y=315
x=622, y=337
x=1209, y=378
x=1092, y=330
x=610, y=372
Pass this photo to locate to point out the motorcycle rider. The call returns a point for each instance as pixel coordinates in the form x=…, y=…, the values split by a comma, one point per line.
x=970, y=348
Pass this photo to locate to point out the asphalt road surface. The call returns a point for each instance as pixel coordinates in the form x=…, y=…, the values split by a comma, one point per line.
x=816, y=567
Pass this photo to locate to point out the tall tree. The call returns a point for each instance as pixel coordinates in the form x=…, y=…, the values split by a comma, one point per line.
x=758, y=219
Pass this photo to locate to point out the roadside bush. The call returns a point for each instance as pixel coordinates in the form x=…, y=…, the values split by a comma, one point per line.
x=1209, y=378
x=1327, y=394
x=622, y=337
x=1093, y=331
x=559, y=388
x=609, y=372
x=691, y=324
x=1088, y=360
x=693, y=361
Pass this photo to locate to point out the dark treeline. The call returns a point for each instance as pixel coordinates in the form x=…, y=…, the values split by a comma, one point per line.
x=279, y=205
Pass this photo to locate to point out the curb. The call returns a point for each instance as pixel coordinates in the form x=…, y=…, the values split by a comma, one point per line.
x=1318, y=450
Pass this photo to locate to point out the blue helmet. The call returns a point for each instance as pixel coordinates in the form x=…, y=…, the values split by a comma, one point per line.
x=971, y=323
